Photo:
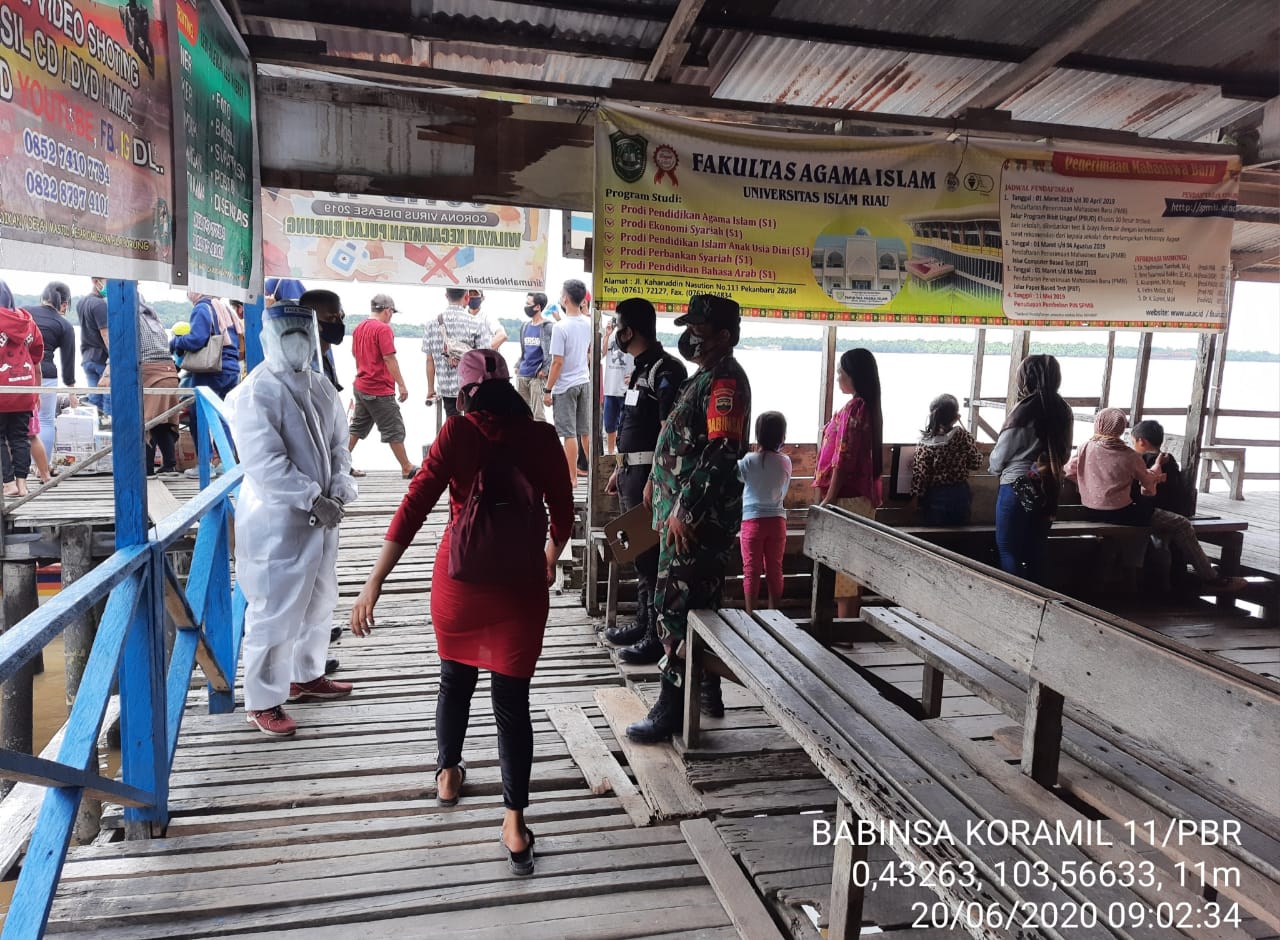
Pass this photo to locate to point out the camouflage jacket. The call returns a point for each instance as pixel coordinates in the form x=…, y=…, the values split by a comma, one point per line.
x=695, y=466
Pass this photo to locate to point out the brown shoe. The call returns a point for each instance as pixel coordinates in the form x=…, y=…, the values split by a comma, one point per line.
x=322, y=688
x=273, y=722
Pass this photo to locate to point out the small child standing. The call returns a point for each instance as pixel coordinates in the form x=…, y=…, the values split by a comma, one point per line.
x=944, y=457
x=766, y=474
x=21, y=349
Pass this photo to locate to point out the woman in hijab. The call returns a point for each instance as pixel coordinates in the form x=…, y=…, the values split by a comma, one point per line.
x=1029, y=456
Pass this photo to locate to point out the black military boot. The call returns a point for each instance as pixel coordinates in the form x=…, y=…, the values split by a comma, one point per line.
x=664, y=719
x=633, y=632
x=646, y=652
x=711, y=702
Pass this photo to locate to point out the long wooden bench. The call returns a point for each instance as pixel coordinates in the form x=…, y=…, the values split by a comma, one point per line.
x=1218, y=730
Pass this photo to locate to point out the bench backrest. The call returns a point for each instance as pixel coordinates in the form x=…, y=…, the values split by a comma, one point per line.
x=1223, y=726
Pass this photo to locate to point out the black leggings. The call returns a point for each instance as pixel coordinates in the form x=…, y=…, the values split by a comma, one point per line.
x=15, y=444
x=510, y=698
x=165, y=437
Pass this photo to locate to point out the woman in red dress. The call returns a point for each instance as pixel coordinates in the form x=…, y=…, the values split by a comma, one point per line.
x=492, y=624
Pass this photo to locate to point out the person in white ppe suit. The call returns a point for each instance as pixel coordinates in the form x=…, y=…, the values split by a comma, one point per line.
x=291, y=435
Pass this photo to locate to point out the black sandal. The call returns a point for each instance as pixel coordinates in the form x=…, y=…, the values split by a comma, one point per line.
x=521, y=862
x=441, y=801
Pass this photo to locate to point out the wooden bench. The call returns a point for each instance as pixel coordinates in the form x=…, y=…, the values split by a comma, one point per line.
x=977, y=540
x=1210, y=730
x=1229, y=462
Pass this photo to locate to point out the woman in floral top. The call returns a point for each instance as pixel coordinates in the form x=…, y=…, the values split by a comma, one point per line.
x=850, y=459
x=944, y=457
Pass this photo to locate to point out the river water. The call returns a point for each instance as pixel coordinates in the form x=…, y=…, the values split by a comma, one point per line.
x=787, y=381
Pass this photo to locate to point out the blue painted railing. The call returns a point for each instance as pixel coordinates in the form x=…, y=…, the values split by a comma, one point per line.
x=129, y=643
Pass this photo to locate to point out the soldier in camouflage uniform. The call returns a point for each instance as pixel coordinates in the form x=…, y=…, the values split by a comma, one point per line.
x=696, y=496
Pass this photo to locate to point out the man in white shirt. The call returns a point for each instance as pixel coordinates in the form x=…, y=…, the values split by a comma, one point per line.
x=497, y=331
x=447, y=337
x=568, y=389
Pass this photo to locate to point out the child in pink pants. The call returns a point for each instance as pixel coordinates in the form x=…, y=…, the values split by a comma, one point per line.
x=766, y=474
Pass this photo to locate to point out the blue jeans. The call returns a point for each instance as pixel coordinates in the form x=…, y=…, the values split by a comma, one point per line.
x=48, y=415
x=1020, y=536
x=93, y=375
x=946, y=505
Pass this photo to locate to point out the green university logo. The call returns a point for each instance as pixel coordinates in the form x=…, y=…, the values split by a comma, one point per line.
x=629, y=155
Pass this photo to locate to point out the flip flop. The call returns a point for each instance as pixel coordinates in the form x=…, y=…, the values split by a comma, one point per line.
x=521, y=862
x=413, y=472
x=441, y=801
x=358, y=473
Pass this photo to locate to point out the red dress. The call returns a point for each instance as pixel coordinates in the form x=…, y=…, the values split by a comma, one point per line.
x=497, y=626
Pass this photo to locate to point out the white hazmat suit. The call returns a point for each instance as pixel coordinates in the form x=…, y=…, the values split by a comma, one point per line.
x=291, y=436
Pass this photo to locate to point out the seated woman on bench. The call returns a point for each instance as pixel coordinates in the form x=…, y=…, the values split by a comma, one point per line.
x=1104, y=470
x=944, y=458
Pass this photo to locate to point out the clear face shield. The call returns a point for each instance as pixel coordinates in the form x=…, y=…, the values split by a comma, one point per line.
x=291, y=337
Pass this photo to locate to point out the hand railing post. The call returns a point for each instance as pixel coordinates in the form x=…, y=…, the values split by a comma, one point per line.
x=217, y=611
x=142, y=689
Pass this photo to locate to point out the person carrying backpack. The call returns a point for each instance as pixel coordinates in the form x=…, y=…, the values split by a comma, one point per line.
x=506, y=477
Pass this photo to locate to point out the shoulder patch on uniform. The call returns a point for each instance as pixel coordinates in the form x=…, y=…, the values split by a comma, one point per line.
x=725, y=414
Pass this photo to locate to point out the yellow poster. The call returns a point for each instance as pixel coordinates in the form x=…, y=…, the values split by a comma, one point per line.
x=915, y=230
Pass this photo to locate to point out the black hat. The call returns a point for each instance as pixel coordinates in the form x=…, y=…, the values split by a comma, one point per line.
x=720, y=312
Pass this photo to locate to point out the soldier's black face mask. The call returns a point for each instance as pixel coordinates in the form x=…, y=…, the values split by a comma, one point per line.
x=690, y=344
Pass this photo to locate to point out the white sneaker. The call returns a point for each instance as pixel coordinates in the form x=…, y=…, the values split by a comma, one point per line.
x=192, y=473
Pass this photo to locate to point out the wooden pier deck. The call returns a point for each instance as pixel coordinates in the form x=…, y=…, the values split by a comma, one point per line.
x=336, y=833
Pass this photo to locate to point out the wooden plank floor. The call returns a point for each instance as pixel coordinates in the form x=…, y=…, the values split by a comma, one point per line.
x=336, y=833
x=1262, y=511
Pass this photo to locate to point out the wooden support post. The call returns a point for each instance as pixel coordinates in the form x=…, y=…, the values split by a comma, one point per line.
x=822, y=603
x=1104, y=396
x=77, y=561
x=1209, y=435
x=16, y=706
x=827, y=376
x=1019, y=349
x=1042, y=734
x=1140, y=370
x=931, y=692
x=611, y=596
x=844, y=919
x=975, y=379
x=692, y=687
x=1198, y=407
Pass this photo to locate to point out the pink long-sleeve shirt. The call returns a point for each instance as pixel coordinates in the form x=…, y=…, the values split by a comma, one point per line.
x=1104, y=470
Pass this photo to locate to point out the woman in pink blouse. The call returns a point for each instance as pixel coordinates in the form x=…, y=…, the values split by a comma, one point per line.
x=850, y=459
x=1105, y=469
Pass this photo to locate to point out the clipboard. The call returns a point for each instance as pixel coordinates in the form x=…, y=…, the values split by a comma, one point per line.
x=631, y=534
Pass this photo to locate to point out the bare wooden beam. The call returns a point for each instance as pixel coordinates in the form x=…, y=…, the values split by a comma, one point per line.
x=673, y=47
x=1047, y=57
x=1141, y=367
x=697, y=102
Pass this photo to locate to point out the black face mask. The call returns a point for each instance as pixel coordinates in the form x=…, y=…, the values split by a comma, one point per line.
x=475, y=302
x=690, y=345
x=530, y=312
x=621, y=343
x=332, y=333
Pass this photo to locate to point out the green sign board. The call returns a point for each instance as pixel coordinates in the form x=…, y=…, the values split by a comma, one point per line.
x=214, y=147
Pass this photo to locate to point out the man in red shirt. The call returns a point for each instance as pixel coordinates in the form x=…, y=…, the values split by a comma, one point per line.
x=378, y=380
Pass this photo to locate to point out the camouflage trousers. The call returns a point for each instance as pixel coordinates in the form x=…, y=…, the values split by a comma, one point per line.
x=689, y=581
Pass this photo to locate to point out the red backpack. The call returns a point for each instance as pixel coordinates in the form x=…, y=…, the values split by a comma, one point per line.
x=501, y=530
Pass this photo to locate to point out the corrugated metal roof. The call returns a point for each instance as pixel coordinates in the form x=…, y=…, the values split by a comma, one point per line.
x=1239, y=34
x=1144, y=106
x=531, y=63
x=1016, y=22
x=824, y=75
x=1256, y=236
